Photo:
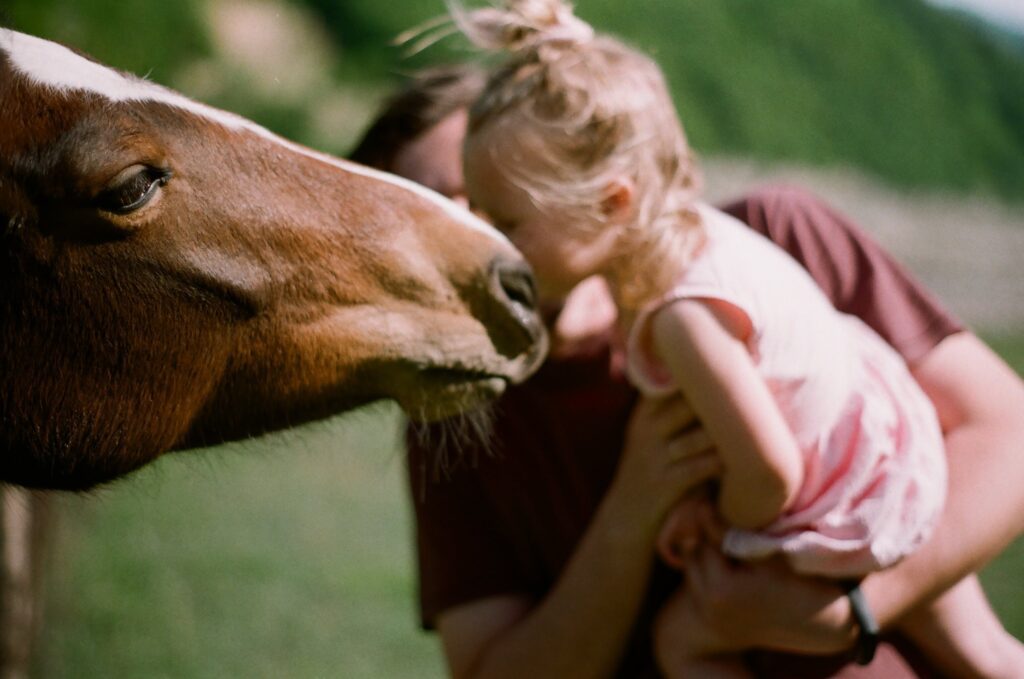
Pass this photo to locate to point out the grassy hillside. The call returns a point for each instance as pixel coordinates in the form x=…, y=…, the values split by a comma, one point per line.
x=914, y=94
x=919, y=96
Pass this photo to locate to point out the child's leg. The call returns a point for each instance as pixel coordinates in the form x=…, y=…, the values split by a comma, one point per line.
x=961, y=634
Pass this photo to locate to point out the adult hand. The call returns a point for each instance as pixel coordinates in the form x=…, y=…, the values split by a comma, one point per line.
x=602, y=587
x=759, y=604
x=665, y=455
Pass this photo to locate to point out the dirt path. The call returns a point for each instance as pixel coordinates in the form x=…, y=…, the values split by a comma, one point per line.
x=968, y=250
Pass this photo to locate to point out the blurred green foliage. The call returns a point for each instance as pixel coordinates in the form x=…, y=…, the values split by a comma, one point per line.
x=918, y=96
x=141, y=36
x=904, y=91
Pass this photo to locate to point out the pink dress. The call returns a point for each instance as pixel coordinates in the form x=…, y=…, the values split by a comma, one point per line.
x=874, y=461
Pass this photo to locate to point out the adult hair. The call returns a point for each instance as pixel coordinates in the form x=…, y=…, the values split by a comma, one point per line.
x=428, y=97
x=587, y=109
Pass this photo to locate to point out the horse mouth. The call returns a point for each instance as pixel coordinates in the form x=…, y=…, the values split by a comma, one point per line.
x=447, y=391
x=461, y=380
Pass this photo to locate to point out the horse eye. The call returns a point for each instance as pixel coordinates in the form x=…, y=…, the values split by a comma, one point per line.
x=132, y=189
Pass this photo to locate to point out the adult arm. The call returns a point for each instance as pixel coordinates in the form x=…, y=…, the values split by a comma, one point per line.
x=581, y=627
x=980, y=401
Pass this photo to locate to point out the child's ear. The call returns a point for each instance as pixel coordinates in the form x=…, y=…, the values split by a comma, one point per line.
x=617, y=204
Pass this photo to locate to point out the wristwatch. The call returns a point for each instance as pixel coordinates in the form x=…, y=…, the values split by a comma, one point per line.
x=867, y=638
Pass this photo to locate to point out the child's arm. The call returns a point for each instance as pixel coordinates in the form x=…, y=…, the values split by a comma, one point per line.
x=701, y=342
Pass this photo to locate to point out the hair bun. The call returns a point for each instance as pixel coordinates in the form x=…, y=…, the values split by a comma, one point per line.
x=523, y=25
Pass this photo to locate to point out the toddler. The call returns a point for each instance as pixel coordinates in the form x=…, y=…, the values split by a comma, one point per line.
x=832, y=456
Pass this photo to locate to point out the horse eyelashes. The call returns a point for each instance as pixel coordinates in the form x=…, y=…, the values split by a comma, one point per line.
x=134, y=193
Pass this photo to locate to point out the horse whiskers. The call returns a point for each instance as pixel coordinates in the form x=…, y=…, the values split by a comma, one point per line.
x=456, y=439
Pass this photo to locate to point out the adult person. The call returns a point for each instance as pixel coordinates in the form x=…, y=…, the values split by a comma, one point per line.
x=537, y=560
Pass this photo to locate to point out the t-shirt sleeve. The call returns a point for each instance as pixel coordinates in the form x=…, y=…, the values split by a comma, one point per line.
x=462, y=555
x=645, y=368
x=856, y=274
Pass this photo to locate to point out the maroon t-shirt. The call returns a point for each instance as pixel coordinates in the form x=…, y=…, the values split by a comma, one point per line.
x=505, y=520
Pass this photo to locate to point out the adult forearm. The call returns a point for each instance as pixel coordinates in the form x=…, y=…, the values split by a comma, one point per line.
x=984, y=513
x=583, y=623
x=582, y=626
x=981, y=401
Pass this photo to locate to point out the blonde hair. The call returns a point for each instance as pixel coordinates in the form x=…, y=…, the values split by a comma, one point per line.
x=596, y=110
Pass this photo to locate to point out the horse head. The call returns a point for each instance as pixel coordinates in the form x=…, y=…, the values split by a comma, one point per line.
x=176, y=276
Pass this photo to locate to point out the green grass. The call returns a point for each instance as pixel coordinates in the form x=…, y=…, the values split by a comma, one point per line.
x=291, y=556
x=284, y=557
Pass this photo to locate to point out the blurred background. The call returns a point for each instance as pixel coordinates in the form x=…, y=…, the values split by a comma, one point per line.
x=290, y=556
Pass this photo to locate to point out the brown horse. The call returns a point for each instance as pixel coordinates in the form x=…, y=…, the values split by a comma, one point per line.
x=175, y=276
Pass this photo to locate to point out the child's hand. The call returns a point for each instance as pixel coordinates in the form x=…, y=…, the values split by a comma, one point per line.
x=666, y=454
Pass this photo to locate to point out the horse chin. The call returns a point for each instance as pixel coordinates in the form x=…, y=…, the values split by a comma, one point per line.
x=445, y=392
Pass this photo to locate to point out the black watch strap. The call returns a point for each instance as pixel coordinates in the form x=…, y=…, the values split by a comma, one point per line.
x=867, y=638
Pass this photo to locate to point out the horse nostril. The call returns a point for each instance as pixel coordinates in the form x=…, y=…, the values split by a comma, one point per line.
x=513, y=297
x=515, y=282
